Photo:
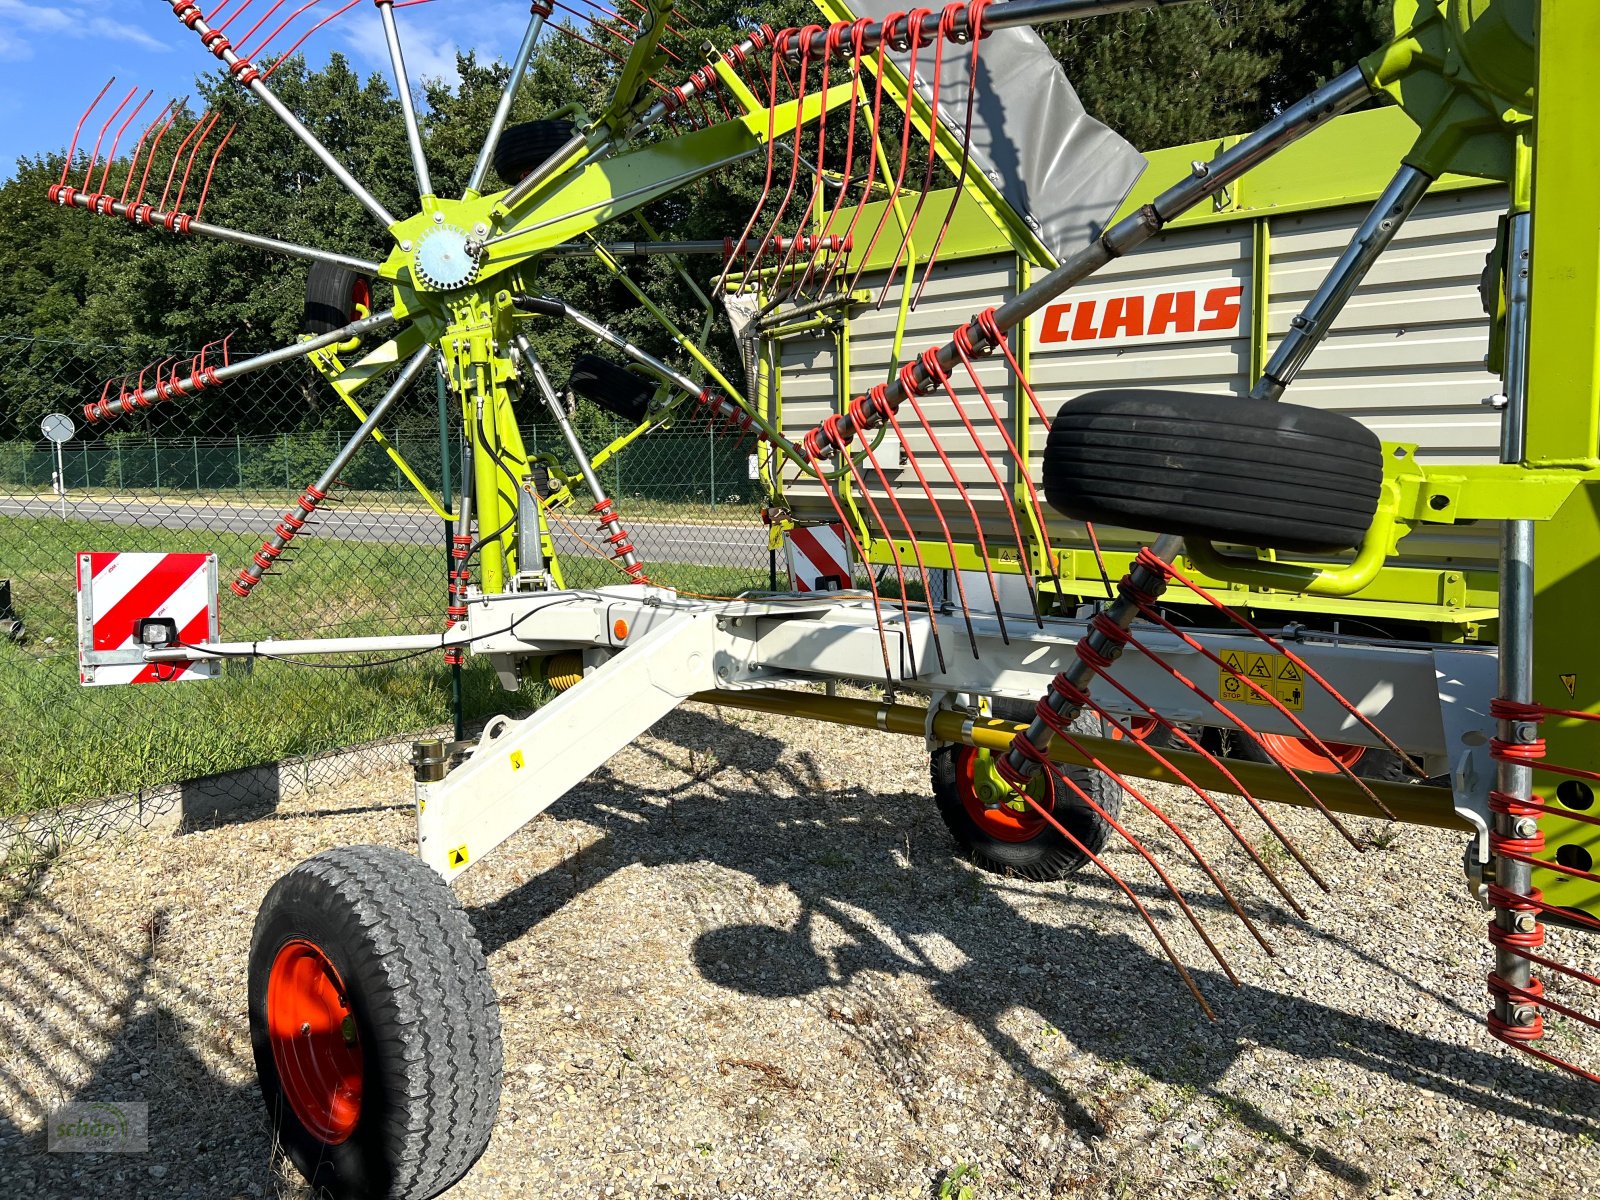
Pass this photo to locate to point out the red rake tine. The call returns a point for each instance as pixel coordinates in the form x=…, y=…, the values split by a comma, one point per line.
x=1178, y=831
x=872, y=159
x=94, y=158
x=975, y=11
x=155, y=146
x=1081, y=698
x=1149, y=920
x=138, y=151
x=905, y=146
x=111, y=156
x=907, y=382
x=766, y=187
x=933, y=141
x=916, y=549
x=72, y=150
x=963, y=343
x=188, y=169
x=211, y=170
x=899, y=569
x=849, y=527
x=855, y=30
x=177, y=157
x=1023, y=557
x=289, y=53
x=753, y=277
x=1244, y=793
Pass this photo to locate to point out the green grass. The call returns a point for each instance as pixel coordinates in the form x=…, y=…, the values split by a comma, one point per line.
x=61, y=743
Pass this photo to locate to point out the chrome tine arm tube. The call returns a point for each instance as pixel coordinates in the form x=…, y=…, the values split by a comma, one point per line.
x=408, y=108
x=502, y=114
x=201, y=379
x=719, y=405
x=610, y=525
x=144, y=214
x=1398, y=202
x=295, y=518
x=1515, y=779
x=250, y=76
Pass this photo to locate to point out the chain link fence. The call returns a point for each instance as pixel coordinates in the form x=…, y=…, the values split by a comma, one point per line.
x=213, y=478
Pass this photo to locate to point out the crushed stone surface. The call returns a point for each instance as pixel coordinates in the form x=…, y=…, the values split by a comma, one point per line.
x=741, y=961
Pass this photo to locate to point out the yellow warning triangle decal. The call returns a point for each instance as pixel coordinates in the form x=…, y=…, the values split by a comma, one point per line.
x=1258, y=669
x=1234, y=662
x=1290, y=672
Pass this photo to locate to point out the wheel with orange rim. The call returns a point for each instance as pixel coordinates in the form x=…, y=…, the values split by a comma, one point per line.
x=1010, y=835
x=1304, y=754
x=374, y=1027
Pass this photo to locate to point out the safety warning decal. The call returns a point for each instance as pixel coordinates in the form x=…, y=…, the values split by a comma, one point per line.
x=1272, y=673
x=458, y=857
x=1570, y=682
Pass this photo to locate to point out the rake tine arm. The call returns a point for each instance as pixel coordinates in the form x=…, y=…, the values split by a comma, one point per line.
x=294, y=519
x=519, y=68
x=408, y=108
x=214, y=376
x=250, y=76
x=177, y=222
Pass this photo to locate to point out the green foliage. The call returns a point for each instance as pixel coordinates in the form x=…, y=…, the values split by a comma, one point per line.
x=1206, y=70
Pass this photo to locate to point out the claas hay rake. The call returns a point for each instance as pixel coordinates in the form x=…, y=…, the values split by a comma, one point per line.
x=1083, y=518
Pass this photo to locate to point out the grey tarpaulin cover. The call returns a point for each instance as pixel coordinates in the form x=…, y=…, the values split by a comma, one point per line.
x=1062, y=170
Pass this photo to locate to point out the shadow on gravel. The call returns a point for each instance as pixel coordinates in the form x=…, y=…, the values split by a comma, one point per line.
x=92, y=1014
x=837, y=850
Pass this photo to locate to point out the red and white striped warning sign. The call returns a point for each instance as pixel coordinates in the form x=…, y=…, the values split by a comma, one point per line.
x=819, y=558
x=116, y=592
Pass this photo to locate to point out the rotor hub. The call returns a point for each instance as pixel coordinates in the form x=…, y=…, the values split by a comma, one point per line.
x=445, y=260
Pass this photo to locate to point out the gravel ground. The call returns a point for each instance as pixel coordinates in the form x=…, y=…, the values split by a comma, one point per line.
x=741, y=962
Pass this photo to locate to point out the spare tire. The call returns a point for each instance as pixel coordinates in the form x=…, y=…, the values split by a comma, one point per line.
x=1252, y=472
x=523, y=147
x=613, y=388
x=335, y=296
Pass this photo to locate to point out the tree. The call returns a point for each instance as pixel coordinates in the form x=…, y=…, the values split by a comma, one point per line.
x=1186, y=74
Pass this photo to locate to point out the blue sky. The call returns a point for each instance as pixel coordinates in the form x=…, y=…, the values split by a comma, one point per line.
x=55, y=55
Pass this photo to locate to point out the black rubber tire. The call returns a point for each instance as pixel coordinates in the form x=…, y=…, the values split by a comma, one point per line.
x=1047, y=856
x=615, y=389
x=332, y=293
x=425, y=1016
x=523, y=147
x=1251, y=472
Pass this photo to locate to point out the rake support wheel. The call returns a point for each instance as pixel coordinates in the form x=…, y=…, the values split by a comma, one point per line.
x=523, y=147
x=335, y=296
x=1008, y=840
x=374, y=1026
x=1251, y=472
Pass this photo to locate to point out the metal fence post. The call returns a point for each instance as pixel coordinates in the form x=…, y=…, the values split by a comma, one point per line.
x=155, y=450
x=286, y=484
x=238, y=462
x=443, y=395
x=194, y=444
x=118, y=447
x=711, y=447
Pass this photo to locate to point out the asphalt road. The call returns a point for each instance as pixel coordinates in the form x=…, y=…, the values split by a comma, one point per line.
x=700, y=543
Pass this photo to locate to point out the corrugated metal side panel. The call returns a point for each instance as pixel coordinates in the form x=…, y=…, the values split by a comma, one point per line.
x=1406, y=357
